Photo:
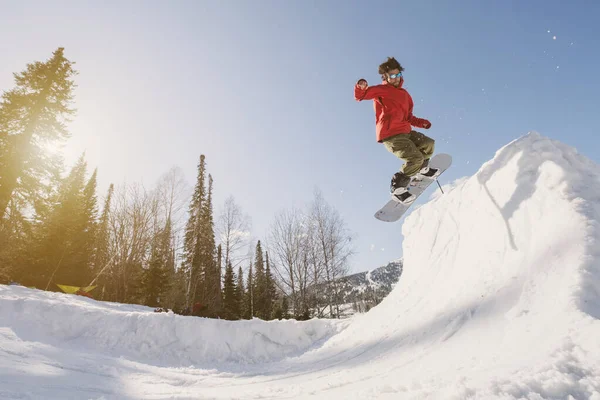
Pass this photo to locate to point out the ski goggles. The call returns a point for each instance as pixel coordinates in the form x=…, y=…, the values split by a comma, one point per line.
x=394, y=76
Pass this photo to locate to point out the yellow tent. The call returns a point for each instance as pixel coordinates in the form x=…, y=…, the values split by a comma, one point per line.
x=75, y=289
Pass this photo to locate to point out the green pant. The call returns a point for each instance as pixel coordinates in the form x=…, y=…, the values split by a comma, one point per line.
x=413, y=148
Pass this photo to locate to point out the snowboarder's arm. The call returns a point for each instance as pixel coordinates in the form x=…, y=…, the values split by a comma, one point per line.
x=364, y=92
x=418, y=122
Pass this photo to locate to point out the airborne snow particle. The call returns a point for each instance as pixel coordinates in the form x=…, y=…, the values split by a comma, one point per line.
x=554, y=37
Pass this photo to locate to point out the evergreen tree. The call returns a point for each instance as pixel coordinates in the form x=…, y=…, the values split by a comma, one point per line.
x=204, y=286
x=214, y=300
x=278, y=312
x=33, y=116
x=218, y=261
x=176, y=295
x=285, y=307
x=15, y=251
x=260, y=284
x=101, y=256
x=87, y=225
x=64, y=234
x=192, y=242
x=230, y=305
x=155, y=279
x=240, y=293
x=271, y=292
x=249, y=300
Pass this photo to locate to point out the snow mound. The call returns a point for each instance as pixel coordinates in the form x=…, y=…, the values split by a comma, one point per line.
x=164, y=339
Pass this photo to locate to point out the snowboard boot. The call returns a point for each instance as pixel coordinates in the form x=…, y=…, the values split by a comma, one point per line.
x=427, y=172
x=399, y=188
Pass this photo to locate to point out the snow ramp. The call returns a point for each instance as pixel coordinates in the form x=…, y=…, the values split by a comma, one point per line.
x=499, y=299
x=500, y=292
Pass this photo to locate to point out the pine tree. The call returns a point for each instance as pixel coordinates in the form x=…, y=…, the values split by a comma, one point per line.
x=278, y=310
x=15, y=251
x=271, y=291
x=176, y=295
x=219, y=266
x=101, y=256
x=212, y=264
x=210, y=273
x=192, y=244
x=249, y=300
x=32, y=116
x=204, y=286
x=230, y=306
x=260, y=284
x=240, y=293
x=87, y=224
x=285, y=307
x=65, y=233
x=155, y=279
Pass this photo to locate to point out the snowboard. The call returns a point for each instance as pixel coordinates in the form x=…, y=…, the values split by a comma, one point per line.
x=393, y=210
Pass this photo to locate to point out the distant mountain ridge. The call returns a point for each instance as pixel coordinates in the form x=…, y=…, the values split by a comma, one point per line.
x=371, y=285
x=361, y=291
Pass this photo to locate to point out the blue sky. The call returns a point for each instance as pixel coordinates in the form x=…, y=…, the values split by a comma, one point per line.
x=265, y=90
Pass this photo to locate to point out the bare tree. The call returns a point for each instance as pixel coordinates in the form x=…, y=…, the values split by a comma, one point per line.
x=233, y=228
x=331, y=243
x=173, y=192
x=131, y=230
x=317, y=286
x=287, y=241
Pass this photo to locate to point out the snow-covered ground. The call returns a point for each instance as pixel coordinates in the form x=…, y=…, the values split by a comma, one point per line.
x=499, y=299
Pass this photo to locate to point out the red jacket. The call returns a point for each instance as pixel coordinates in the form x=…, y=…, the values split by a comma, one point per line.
x=393, y=109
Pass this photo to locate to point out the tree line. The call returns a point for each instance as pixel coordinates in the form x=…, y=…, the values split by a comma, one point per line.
x=159, y=247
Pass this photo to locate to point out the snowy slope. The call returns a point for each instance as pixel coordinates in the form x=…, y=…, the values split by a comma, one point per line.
x=499, y=299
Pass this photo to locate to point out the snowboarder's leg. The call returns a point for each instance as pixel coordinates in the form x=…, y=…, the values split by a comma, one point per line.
x=425, y=144
x=405, y=149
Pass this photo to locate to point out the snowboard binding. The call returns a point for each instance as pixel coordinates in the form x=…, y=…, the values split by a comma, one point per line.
x=402, y=195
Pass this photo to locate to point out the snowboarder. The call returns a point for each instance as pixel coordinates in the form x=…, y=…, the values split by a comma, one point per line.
x=394, y=118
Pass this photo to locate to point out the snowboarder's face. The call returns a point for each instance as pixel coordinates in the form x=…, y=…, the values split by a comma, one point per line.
x=394, y=77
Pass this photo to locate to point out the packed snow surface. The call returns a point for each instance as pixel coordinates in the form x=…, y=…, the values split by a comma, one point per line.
x=499, y=299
